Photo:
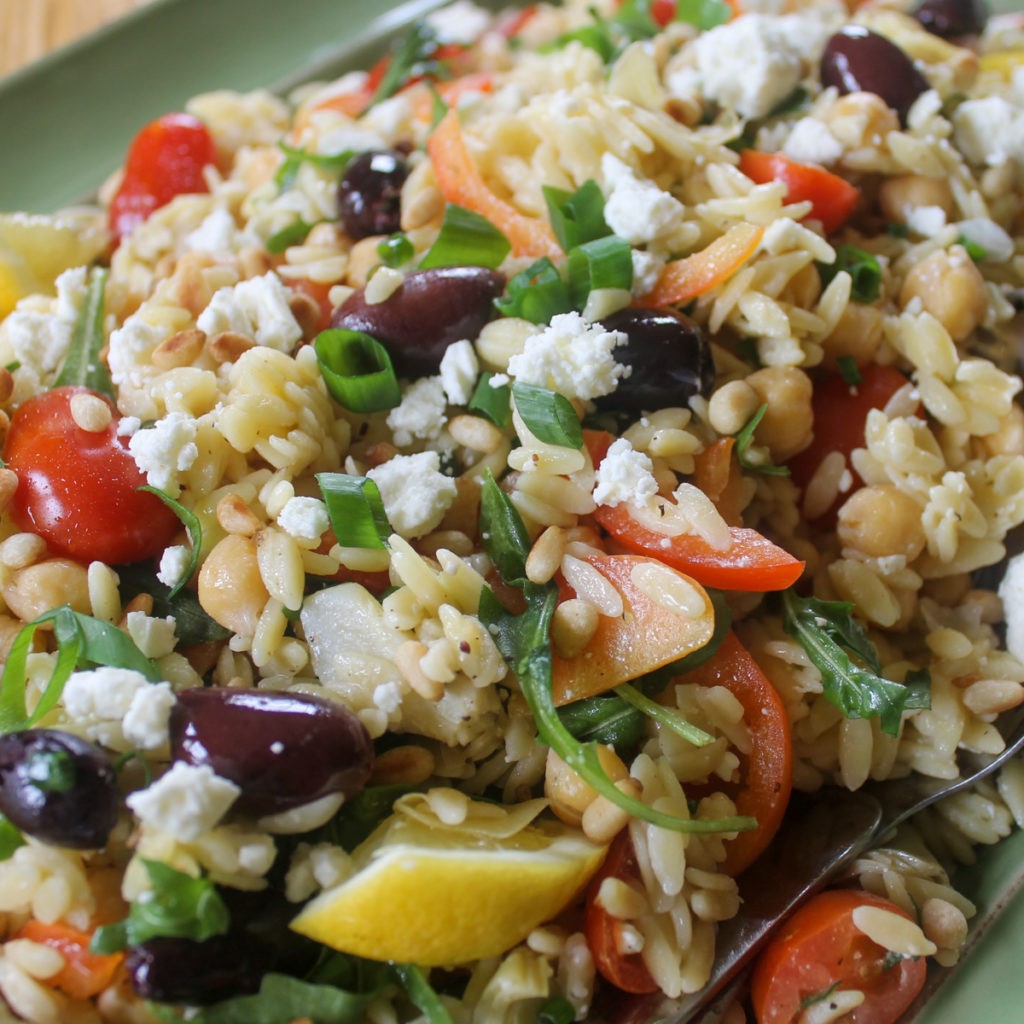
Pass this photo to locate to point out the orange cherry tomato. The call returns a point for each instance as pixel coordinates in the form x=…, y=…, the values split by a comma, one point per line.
x=832, y=198
x=767, y=771
x=84, y=974
x=820, y=947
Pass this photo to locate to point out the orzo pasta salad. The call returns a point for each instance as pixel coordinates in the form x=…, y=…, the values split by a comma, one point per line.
x=447, y=511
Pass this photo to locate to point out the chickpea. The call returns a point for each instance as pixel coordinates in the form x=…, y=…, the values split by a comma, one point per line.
x=788, y=420
x=362, y=259
x=570, y=796
x=1009, y=438
x=951, y=288
x=898, y=197
x=231, y=589
x=37, y=588
x=857, y=335
x=881, y=520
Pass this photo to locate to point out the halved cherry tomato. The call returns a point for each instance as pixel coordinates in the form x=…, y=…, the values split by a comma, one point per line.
x=840, y=412
x=626, y=971
x=77, y=488
x=832, y=198
x=166, y=159
x=767, y=771
x=84, y=974
x=818, y=947
x=646, y=636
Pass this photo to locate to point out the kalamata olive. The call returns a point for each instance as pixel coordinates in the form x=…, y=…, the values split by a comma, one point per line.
x=282, y=749
x=370, y=193
x=175, y=970
x=858, y=60
x=669, y=356
x=58, y=788
x=952, y=18
x=429, y=311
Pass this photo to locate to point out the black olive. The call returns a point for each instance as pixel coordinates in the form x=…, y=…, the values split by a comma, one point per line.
x=58, y=788
x=370, y=193
x=858, y=60
x=952, y=18
x=669, y=358
x=282, y=749
x=429, y=311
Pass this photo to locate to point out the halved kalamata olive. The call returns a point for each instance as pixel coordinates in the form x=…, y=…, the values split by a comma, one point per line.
x=57, y=787
x=282, y=749
x=429, y=311
x=858, y=60
x=952, y=18
x=669, y=356
x=370, y=193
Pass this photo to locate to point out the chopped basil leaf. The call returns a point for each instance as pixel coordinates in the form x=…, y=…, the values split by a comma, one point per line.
x=294, y=158
x=467, y=239
x=133, y=755
x=536, y=294
x=663, y=715
x=978, y=253
x=597, y=37
x=951, y=103
x=438, y=107
x=177, y=906
x=83, y=365
x=549, y=415
x=577, y=217
x=743, y=441
x=14, y=364
x=355, y=509
x=415, y=56
x=850, y=370
x=493, y=403
x=421, y=995
x=793, y=101
x=395, y=250
x=292, y=234
x=192, y=525
x=81, y=640
x=602, y=263
x=10, y=839
x=863, y=268
x=827, y=631
x=357, y=370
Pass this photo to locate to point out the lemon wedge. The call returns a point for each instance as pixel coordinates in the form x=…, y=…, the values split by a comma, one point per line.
x=439, y=895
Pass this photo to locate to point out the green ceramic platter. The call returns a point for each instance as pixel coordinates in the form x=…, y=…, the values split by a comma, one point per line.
x=65, y=123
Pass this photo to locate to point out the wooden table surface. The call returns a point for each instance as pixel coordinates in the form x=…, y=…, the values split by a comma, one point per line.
x=30, y=28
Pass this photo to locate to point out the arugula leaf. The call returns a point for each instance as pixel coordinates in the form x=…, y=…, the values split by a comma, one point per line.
x=818, y=997
x=416, y=55
x=357, y=370
x=536, y=294
x=827, y=631
x=863, y=268
x=467, y=239
x=82, y=364
x=294, y=158
x=177, y=906
x=359, y=815
x=605, y=718
x=743, y=441
x=356, y=510
x=192, y=525
x=663, y=715
x=191, y=623
x=81, y=640
x=549, y=415
x=422, y=996
x=577, y=217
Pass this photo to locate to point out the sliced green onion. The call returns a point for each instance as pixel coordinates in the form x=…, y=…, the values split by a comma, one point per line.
x=355, y=509
x=357, y=370
x=395, y=250
x=466, y=240
x=10, y=839
x=493, y=403
x=549, y=415
x=420, y=993
x=294, y=158
x=595, y=37
x=192, y=525
x=850, y=370
x=863, y=268
x=978, y=253
x=705, y=14
x=663, y=715
x=743, y=441
x=536, y=294
x=603, y=263
x=291, y=234
x=82, y=364
x=577, y=217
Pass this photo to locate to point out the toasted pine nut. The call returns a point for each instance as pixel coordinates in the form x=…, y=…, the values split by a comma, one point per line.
x=6, y=384
x=227, y=346
x=546, y=555
x=181, y=349
x=90, y=412
x=306, y=311
x=408, y=764
x=407, y=658
x=235, y=516
x=8, y=485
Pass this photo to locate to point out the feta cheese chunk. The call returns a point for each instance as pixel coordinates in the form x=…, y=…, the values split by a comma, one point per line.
x=174, y=563
x=145, y=723
x=625, y=475
x=420, y=414
x=635, y=209
x=572, y=357
x=810, y=142
x=989, y=131
x=186, y=802
x=459, y=22
x=153, y=636
x=416, y=494
x=219, y=233
x=459, y=370
x=103, y=696
x=257, y=308
x=1011, y=590
x=304, y=518
x=165, y=450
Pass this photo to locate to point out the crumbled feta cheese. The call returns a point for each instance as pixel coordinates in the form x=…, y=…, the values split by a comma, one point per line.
x=989, y=131
x=647, y=268
x=636, y=209
x=926, y=220
x=153, y=636
x=174, y=563
x=218, y=233
x=389, y=119
x=459, y=370
x=388, y=697
x=257, y=308
x=572, y=357
x=103, y=695
x=459, y=22
x=625, y=475
x=185, y=802
x=165, y=450
x=304, y=518
x=128, y=425
x=749, y=64
x=420, y=414
x=811, y=142
x=1011, y=591
x=146, y=720
x=998, y=245
x=416, y=494
x=71, y=286
x=130, y=349
x=38, y=341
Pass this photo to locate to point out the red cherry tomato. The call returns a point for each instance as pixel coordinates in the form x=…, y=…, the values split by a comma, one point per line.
x=626, y=971
x=840, y=412
x=832, y=198
x=77, y=488
x=819, y=947
x=166, y=159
